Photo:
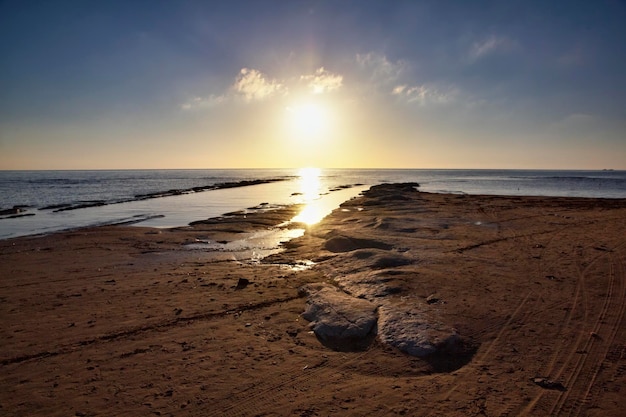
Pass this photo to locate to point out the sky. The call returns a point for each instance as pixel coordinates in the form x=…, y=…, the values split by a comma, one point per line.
x=332, y=84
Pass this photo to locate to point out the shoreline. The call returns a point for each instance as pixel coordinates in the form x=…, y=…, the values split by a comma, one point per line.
x=179, y=210
x=20, y=210
x=115, y=319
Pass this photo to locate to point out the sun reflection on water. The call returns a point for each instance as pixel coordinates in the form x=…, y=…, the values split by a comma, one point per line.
x=310, y=188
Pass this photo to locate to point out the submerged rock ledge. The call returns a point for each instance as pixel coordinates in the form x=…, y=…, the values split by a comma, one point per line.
x=159, y=194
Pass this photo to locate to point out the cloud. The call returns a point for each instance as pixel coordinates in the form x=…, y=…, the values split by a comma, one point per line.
x=380, y=68
x=488, y=46
x=395, y=77
x=323, y=81
x=425, y=94
x=203, y=102
x=253, y=85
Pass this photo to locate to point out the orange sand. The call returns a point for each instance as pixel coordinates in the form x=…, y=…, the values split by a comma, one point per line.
x=125, y=321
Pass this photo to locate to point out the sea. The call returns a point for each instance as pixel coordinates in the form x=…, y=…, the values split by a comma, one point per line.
x=41, y=202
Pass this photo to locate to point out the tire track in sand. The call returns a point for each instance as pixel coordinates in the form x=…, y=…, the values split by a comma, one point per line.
x=289, y=383
x=582, y=362
x=160, y=326
x=574, y=401
x=593, y=389
x=522, y=241
x=509, y=325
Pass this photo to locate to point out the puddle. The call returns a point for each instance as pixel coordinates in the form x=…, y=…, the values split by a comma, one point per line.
x=299, y=265
x=264, y=240
x=251, y=247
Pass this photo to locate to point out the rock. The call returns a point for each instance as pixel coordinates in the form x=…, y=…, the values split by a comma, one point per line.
x=372, y=285
x=413, y=332
x=292, y=331
x=432, y=299
x=14, y=210
x=548, y=384
x=339, y=244
x=339, y=320
x=391, y=190
x=242, y=283
x=390, y=261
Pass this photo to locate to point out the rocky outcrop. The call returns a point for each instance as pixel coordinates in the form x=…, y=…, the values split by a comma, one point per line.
x=339, y=320
x=373, y=275
x=344, y=322
x=415, y=332
x=338, y=244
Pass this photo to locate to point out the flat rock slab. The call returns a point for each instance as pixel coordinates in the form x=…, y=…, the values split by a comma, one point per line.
x=338, y=319
x=414, y=332
x=372, y=285
x=348, y=244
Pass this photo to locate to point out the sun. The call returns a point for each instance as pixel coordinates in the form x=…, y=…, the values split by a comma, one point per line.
x=308, y=120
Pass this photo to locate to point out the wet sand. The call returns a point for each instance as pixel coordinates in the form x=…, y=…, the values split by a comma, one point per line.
x=128, y=321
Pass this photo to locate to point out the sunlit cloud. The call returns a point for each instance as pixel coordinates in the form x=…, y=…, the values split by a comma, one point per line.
x=425, y=94
x=253, y=85
x=323, y=81
x=380, y=68
x=198, y=103
x=488, y=46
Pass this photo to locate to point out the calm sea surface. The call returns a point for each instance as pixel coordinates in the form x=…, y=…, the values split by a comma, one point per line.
x=36, y=202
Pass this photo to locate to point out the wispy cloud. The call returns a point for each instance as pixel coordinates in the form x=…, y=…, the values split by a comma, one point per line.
x=323, y=81
x=197, y=103
x=380, y=68
x=425, y=94
x=253, y=85
x=489, y=45
x=398, y=79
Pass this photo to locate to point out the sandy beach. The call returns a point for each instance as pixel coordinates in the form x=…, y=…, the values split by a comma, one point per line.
x=471, y=306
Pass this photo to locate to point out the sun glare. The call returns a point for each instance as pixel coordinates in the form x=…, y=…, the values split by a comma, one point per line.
x=308, y=120
x=310, y=183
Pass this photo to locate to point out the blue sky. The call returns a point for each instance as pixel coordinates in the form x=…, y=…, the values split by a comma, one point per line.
x=238, y=84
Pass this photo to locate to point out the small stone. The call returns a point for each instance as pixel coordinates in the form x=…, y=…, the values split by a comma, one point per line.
x=432, y=299
x=548, y=384
x=242, y=283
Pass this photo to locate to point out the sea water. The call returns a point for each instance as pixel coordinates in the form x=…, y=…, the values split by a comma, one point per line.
x=109, y=197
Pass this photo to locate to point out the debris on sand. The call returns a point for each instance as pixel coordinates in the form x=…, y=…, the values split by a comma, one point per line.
x=548, y=383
